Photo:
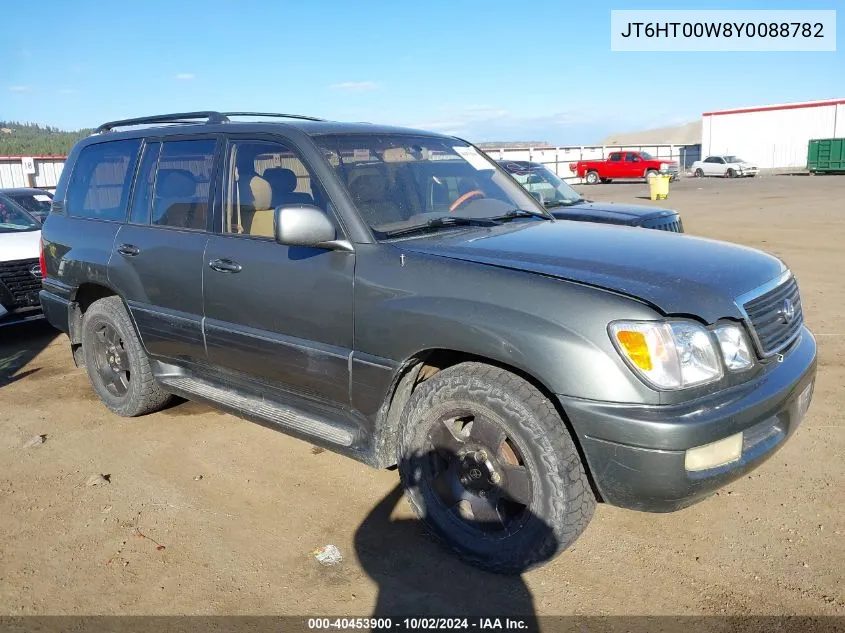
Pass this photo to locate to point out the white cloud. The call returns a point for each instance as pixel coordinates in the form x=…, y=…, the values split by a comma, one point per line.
x=355, y=86
x=19, y=89
x=185, y=76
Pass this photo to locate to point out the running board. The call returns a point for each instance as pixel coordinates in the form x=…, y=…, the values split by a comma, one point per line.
x=260, y=408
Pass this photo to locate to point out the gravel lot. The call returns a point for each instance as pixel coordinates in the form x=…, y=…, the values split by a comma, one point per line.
x=204, y=513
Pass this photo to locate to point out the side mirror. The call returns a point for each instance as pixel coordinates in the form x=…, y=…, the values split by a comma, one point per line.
x=305, y=225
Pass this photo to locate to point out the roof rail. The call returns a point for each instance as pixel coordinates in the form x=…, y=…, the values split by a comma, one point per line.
x=274, y=115
x=180, y=117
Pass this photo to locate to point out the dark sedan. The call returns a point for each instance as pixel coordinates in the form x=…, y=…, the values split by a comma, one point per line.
x=36, y=201
x=567, y=204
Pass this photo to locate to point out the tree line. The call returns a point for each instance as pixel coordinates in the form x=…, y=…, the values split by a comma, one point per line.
x=31, y=139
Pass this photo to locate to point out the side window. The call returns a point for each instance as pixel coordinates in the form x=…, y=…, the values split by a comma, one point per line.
x=616, y=158
x=261, y=176
x=183, y=184
x=140, y=213
x=720, y=161
x=100, y=182
x=632, y=158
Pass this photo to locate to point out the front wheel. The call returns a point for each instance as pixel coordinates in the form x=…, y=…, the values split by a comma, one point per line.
x=491, y=469
x=117, y=364
x=593, y=178
x=650, y=173
x=730, y=173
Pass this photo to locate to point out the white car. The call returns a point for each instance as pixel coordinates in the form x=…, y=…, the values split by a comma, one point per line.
x=20, y=271
x=726, y=166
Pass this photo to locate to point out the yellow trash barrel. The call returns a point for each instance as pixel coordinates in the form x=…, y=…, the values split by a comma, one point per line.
x=658, y=186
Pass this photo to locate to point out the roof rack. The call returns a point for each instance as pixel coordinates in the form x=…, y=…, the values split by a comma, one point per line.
x=180, y=117
x=210, y=116
x=273, y=114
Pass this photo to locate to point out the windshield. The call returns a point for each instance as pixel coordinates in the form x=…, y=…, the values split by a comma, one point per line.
x=646, y=156
x=14, y=219
x=543, y=184
x=36, y=203
x=400, y=182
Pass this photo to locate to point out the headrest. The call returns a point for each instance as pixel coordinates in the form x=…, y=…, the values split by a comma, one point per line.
x=397, y=155
x=175, y=183
x=281, y=179
x=262, y=194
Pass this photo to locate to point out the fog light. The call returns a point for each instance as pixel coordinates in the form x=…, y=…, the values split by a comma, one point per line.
x=716, y=454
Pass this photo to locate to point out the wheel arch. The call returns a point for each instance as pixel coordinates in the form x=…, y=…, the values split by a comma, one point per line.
x=424, y=365
x=82, y=299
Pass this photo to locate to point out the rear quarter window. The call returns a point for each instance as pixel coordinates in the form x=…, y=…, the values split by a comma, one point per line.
x=101, y=179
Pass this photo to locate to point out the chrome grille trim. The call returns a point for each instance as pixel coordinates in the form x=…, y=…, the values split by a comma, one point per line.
x=761, y=310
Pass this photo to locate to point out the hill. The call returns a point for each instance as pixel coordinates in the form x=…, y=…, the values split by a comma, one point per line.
x=28, y=139
x=687, y=134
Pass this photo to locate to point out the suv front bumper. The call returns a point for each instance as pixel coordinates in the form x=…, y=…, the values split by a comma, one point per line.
x=636, y=453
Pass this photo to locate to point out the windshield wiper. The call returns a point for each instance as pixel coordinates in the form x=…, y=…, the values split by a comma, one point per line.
x=561, y=203
x=522, y=213
x=441, y=222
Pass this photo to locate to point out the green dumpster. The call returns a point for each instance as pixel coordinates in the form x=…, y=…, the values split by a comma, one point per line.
x=826, y=155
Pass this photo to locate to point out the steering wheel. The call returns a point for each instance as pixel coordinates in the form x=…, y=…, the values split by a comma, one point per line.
x=464, y=198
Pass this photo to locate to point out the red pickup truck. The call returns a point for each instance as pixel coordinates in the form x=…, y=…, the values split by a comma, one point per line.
x=623, y=165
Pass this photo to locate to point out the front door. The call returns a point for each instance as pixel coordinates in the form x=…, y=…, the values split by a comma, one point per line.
x=157, y=261
x=276, y=313
x=633, y=166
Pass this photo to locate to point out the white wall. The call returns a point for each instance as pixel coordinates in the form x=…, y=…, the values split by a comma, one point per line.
x=772, y=138
x=47, y=172
x=559, y=159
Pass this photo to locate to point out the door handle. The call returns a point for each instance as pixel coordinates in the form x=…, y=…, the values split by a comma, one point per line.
x=224, y=266
x=128, y=250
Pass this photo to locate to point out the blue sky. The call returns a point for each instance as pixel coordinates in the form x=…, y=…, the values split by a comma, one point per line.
x=486, y=70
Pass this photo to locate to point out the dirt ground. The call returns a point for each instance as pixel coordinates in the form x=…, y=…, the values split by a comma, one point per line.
x=205, y=513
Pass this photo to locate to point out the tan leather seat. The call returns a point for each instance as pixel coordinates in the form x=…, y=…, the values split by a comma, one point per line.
x=174, y=204
x=260, y=216
x=283, y=183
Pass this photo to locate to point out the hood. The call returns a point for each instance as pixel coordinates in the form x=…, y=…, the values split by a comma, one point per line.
x=610, y=213
x=23, y=245
x=677, y=273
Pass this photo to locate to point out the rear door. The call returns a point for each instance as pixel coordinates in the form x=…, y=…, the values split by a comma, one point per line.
x=714, y=166
x=275, y=313
x=158, y=259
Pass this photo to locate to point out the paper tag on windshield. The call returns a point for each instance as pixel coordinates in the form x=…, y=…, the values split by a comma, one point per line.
x=41, y=197
x=470, y=155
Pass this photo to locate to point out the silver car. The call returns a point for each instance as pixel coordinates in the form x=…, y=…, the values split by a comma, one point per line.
x=727, y=166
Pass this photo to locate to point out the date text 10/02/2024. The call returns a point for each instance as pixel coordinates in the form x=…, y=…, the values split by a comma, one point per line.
x=418, y=624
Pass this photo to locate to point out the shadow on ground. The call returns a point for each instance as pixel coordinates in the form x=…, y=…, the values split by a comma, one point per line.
x=19, y=345
x=418, y=576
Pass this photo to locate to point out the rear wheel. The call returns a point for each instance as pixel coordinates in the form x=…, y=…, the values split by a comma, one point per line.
x=490, y=468
x=116, y=363
x=592, y=178
x=699, y=173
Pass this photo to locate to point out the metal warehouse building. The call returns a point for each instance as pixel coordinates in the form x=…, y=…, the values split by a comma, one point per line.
x=774, y=135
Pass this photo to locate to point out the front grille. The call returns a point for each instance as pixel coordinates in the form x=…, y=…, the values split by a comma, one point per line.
x=672, y=224
x=20, y=283
x=769, y=316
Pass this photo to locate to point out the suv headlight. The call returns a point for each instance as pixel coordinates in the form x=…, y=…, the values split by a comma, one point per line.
x=736, y=352
x=668, y=354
